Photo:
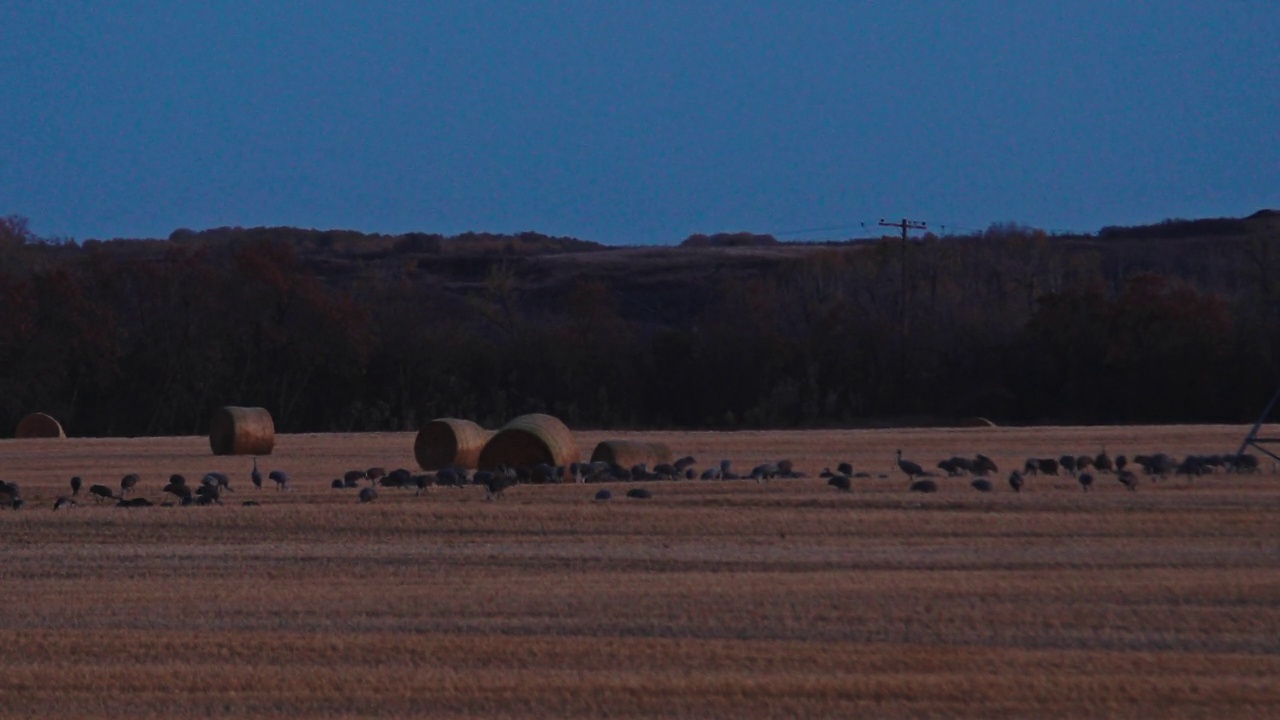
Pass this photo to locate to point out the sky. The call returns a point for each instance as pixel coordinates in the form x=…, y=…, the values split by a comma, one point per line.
x=635, y=122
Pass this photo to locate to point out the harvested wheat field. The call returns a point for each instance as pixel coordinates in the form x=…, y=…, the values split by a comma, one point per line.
x=712, y=599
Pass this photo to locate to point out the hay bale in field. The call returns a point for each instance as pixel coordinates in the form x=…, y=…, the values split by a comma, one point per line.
x=975, y=422
x=242, y=431
x=629, y=453
x=449, y=442
x=38, y=425
x=529, y=440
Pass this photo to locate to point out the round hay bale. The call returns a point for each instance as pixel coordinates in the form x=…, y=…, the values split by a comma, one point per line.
x=242, y=431
x=38, y=425
x=976, y=422
x=529, y=440
x=448, y=442
x=629, y=453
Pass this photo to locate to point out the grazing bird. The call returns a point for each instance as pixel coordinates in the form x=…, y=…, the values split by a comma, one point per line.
x=250, y=503
x=134, y=502
x=685, y=463
x=400, y=477
x=208, y=493
x=337, y=484
x=1048, y=466
x=256, y=475
x=497, y=485
x=841, y=483
x=17, y=503
x=353, y=477
x=128, y=482
x=216, y=479
x=1068, y=463
x=422, y=482
x=1016, y=481
x=1121, y=461
x=604, y=494
x=368, y=495
x=10, y=489
x=1031, y=466
x=280, y=478
x=924, y=486
x=1086, y=481
x=908, y=467
x=1128, y=479
x=101, y=492
x=177, y=487
x=375, y=474
x=76, y=483
x=845, y=469
x=981, y=485
x=63, y=503
x=639, y=493
x=983, y=465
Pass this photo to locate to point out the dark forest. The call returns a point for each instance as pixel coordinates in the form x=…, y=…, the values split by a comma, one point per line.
x=339, y=330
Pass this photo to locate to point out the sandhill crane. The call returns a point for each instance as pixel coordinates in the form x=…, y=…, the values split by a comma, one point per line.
x=76, y=483
x=497, y=485
x=1244, y=463
x=352, y=478
x=128, y=482
x=101, y=492
x=639, y=493
x=280, y=478
x=17, y=503
x=375, y=474
x=841, y=483
x=337, y=484
x=1121, y=461
x=983, y=465
x=133, y=502
x=981, y=485
x=1086, y=481
x=422, y=482
x=1068, y=463
x=216, y=479
x=910, y=468
x=368, y=495
x=1103, y=462
x=63, y=503
x=1083, y=463
x=604, y=494
x=256, y=475
x=1016, y=481
x=845, y=469
x=924, y=486
x=177, y=487
x=685, y=463
x=209, y=493
x=1128, y=479
x=1048, y=466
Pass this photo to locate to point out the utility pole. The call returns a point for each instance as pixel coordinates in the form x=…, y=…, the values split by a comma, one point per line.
x=905, y=225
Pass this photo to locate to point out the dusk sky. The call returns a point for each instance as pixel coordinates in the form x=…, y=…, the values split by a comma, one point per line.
x=634, y=122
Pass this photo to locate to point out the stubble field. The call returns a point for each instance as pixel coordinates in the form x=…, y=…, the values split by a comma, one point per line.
x=713, y=599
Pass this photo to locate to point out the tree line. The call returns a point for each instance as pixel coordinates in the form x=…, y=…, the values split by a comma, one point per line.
x=354, y=332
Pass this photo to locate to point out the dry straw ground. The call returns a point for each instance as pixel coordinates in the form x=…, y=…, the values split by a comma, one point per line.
x=785, y=599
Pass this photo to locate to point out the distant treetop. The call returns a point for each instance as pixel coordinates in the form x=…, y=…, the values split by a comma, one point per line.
x=738, y=239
